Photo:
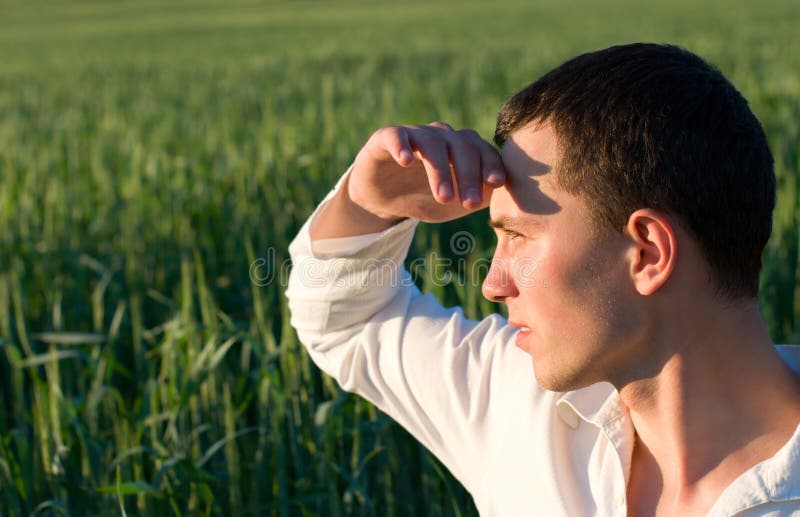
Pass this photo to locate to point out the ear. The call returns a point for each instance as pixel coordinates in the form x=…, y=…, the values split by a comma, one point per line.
x=654, y=249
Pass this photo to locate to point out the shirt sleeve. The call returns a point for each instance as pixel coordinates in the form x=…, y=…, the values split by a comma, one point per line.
x=342, y=246
x=437, y=373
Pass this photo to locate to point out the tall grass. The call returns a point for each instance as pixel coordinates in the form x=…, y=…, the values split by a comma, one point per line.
x=146, y=165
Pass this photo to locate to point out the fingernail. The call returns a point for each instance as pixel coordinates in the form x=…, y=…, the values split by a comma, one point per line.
x=445, y=191
x=495, y=177
x=405, y=156
x=473, y=195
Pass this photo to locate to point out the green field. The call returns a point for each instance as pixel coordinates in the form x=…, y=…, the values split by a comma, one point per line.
x=150, y=153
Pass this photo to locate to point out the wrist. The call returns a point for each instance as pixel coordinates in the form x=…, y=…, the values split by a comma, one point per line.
x=343, y=217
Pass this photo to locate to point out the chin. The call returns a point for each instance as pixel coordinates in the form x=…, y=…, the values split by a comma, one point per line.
x=560, y=379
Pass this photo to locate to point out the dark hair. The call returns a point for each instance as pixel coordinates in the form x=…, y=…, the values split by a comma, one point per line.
x=647, y=125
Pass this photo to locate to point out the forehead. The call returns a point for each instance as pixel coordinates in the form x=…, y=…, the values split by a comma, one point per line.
x=534, y=142
x=529, y=156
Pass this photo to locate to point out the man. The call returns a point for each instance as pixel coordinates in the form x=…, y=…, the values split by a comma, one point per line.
x=641, y=187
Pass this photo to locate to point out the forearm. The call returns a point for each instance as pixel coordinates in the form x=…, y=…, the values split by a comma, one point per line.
x=359, y=276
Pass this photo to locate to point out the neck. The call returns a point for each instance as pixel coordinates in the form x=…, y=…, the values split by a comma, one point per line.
x=721, y=402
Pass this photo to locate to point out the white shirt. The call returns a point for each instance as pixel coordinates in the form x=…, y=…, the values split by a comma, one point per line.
x=464, y=390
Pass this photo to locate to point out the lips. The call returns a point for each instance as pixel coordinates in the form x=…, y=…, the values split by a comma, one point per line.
x=522, y=335
x=518, y=325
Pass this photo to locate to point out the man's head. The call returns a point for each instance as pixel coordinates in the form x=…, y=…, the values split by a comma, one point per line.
x=655, y=126
x=637, y=177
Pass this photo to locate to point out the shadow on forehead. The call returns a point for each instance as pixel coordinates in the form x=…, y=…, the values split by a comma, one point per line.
x=524, y=178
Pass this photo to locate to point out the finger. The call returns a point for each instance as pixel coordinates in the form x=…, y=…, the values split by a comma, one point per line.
x=467, y=168
x=493, y=172
x=431, y=148
x=391, y=142
x=401, y=150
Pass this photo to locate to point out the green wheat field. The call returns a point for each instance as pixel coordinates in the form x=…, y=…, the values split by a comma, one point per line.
x=152, y=152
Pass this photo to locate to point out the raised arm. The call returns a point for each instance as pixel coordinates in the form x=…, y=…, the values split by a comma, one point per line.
x=442, y=376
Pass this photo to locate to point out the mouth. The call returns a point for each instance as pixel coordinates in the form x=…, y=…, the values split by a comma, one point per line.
x=522, y=335
x=520, y=326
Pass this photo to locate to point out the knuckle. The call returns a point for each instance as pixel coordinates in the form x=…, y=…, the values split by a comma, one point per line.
x=441, y=125
x=392, y=134
x=384, y=132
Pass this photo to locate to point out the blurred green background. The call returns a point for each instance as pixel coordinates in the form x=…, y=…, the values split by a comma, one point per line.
x=151, y=152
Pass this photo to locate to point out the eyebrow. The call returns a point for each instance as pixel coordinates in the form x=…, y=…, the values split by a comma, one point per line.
x=510, y=222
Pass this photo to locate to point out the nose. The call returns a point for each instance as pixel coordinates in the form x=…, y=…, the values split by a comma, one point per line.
x=499, y=284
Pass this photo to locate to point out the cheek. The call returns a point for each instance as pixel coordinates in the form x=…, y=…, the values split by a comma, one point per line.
x=571, y=295
x=547, y=298
x=596, y=290
x=525, y=270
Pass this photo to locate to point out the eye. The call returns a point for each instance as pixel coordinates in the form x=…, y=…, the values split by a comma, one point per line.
x=507, y=235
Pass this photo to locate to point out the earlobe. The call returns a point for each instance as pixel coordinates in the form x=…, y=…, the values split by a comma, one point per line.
x=655, y=249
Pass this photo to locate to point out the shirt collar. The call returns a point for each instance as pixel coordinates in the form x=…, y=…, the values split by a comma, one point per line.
x=774, y=479
x=599, y=403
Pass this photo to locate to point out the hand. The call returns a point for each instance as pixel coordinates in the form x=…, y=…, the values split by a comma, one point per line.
x=432, y=173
